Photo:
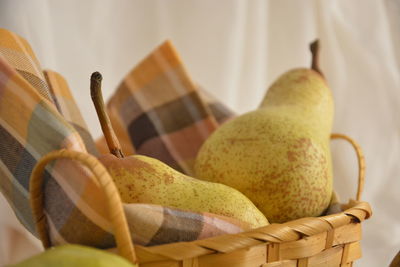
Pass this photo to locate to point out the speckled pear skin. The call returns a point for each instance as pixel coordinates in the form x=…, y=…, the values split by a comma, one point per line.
x=279, y=154
x=142, y=179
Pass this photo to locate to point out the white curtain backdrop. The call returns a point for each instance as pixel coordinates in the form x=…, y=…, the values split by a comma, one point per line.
x=235, y=49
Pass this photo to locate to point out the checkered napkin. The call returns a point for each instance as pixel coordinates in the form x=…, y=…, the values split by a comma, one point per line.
x=158, y=111
x=38, y=115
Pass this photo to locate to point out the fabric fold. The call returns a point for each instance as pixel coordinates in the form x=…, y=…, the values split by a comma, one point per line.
x=159, y=112
x=156, y=110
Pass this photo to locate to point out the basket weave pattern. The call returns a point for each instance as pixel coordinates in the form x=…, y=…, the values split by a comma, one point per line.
x=332, y=240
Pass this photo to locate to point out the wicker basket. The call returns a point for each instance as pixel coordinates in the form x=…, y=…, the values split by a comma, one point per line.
x=332, y=240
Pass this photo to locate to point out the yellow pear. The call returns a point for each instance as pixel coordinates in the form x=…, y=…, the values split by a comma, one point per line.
x=279, y=154
x=142, y=179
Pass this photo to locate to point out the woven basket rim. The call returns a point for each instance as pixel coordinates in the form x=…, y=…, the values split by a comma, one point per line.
x=356, y=212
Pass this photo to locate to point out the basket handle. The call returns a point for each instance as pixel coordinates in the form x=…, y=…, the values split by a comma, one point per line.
x=115, y=210
x=361, y=161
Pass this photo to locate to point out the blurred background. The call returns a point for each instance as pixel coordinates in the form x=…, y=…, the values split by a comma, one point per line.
x=235, y=49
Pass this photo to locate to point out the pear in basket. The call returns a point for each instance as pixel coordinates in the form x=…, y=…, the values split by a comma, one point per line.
x=142, y=179
x=74, y=255
x=278, y=155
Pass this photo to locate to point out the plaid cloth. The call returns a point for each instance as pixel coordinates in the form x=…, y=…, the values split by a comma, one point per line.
x=157, y=111
x=49, y=84
x=18, y=53
x=36, y=116
x=30, y=127
x=66, y=105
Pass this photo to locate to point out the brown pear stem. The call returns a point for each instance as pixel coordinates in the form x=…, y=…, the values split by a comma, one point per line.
x=97, y=98
x=314, y=48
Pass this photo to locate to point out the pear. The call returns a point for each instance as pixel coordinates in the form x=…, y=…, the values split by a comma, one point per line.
x=74, y=255
x=279, y=154
x=142, y=179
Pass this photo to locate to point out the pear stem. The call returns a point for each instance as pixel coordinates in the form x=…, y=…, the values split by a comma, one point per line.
x=314, y=48
x=97, y=98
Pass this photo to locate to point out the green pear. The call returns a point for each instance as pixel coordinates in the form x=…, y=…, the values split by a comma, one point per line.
x=74, y=255
x=278, y=155
x=142, y=179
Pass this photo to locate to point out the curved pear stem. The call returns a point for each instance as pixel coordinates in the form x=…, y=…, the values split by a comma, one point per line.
x=97, y=98
x=314, y=48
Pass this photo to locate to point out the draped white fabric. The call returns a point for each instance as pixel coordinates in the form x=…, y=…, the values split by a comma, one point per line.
x=235, y=49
